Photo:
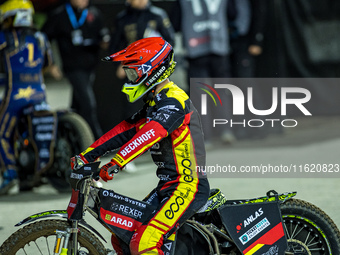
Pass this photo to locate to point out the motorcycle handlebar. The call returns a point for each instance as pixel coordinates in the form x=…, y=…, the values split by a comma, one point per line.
x=114, y=169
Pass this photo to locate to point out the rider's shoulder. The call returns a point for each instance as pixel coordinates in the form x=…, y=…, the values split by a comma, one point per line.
x=174, y=92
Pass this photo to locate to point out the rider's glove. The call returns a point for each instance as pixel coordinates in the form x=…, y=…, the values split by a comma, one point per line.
x=107, y=170
x=77, y=162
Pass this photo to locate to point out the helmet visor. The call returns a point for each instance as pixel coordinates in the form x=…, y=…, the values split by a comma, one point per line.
x=131, y=74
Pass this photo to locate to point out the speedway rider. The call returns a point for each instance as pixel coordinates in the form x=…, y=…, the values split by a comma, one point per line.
x=169, y=126
x=24, y=52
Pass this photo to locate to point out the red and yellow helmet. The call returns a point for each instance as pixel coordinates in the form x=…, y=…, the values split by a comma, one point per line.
x=146, y=62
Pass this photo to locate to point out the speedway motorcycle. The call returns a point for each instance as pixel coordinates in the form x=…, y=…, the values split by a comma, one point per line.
x=44, y=142
x=274, y=224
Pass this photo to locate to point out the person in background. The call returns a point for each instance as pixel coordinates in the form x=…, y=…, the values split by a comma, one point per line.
x=24, y=52
x=204, y=27
x=80, y=33
x=246, y=37
x=139, y=20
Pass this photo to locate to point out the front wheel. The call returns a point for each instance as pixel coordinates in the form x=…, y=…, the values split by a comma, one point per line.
x=309, y=230
x=40, y=237
x=74, y=136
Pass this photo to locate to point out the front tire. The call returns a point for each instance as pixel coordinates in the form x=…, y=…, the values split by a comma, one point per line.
x=74, y=136
x=309, y=230
x=39, y=238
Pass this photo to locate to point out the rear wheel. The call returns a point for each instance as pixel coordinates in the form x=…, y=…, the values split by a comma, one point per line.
x=309, y=230
x=40, y=237
x=74, y=136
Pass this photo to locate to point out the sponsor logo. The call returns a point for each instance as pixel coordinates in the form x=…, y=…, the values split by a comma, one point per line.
x=174, y=207
x=169, y=108
x=254, y=231
x=25, y=93
x=155, y=152
x=249, y=220
x=168, y=246
x=43, y=136
x=162, y=117
x=155, y=76
x=107, y=193
x=73, y=205
x=252, y=217
x=137, y=142
x=76, y=176
x=118, y=158
x=164, y=177
x=119, y=221
x=160, y=165
x=239, y=227
x=145, y=68
x=186, y=163
x=126, y=210
x=185, y=153
x=151, y=198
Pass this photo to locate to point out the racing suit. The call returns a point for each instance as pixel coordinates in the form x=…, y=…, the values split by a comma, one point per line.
x=24, y=52
x=169, y=126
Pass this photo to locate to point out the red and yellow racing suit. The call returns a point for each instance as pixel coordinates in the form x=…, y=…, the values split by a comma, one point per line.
x=169, y=126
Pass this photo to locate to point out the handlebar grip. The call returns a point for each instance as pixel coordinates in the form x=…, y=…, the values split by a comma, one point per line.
x=114, y=169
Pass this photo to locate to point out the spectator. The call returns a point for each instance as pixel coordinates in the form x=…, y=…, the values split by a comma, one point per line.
x=204, y=28
x=80, y=33
x=139, y=20
x=246, y=36
x=24, y=52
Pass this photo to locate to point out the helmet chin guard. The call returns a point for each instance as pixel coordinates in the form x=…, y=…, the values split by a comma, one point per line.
x=147, y=63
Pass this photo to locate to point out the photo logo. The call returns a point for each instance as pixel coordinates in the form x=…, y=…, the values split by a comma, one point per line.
x=281, y=98
x=204, y=97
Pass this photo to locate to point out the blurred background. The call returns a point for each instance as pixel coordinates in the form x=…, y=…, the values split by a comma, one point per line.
x=300, y=38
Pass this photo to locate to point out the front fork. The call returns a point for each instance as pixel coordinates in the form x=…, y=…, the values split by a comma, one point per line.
x=64, y=236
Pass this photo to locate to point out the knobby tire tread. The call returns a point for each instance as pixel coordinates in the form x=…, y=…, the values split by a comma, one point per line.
x=46, y=228
x=318, y=216
x=83, y=128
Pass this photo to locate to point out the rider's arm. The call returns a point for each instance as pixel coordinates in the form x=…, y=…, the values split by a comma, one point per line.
x=169, y=116
x=114, y=138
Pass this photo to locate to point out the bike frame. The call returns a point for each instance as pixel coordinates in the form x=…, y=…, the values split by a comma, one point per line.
x=83, y=182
